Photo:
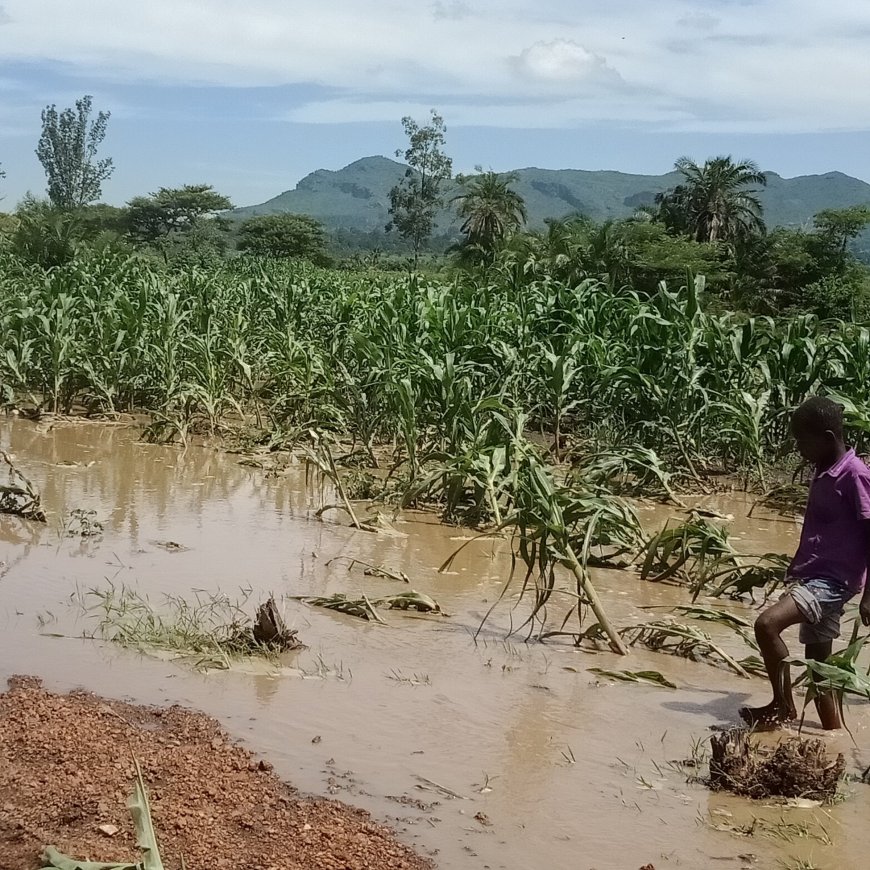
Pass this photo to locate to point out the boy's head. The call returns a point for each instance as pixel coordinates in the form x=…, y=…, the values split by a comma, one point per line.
x=817, y=426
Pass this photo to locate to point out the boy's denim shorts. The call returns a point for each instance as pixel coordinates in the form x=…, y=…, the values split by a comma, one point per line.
x=821, y=603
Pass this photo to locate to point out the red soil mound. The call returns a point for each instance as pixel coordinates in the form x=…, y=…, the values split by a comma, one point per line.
x=66, y=769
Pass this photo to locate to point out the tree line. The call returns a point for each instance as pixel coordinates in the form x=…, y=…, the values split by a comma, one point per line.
x=711, y=222
x=186, y=223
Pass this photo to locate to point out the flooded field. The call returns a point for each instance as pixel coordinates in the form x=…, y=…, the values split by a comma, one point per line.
x=486, y=753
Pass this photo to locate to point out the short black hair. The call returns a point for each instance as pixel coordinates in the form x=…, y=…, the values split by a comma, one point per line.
x=818, y=414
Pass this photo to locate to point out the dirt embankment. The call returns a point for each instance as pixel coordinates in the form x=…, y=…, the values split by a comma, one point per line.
x=66, y=769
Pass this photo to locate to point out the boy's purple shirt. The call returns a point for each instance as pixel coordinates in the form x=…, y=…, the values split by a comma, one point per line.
x=835, y=540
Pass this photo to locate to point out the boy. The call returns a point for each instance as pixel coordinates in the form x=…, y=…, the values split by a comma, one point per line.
x=830, y=566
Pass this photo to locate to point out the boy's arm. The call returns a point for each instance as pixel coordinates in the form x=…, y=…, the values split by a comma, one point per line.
x=864, y=606
x=861, y=485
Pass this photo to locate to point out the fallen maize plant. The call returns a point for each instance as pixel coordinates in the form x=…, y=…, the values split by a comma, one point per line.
x=367, y=608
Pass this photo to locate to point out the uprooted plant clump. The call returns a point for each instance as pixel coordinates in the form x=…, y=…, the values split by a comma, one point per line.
x=794, y=768
x=213, y=630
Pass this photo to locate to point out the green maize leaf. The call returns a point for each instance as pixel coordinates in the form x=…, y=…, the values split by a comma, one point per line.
x=146, y=839
x=829, y=677
x=711, y=614
x=54, y=860
x=140, y=810
x=653, y=678
x=837, y=675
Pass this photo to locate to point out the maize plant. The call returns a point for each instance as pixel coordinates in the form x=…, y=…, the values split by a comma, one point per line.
x=400, y=363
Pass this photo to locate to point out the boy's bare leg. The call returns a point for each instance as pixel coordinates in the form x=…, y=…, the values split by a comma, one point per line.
x=826, y=704
x=768, y=628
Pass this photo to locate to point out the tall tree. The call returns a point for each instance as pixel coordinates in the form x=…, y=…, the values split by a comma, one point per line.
x=414, y=201
x=491, y=210
x=717, y=201
x=68, y=150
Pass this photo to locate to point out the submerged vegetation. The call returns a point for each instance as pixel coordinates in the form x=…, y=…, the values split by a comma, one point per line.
x=367, y=608
x=18, y=495
x=439, y=388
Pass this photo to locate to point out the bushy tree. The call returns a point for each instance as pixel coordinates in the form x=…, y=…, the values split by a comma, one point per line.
x=628, y=253
x=415, y=201
x=284, y=235
x=843, y=225
x=8, y=227
x=41, y=234
x=101, y=219
x=68, y=149
x=845, y=296
x=205, y=244
x=174, y=210
x=793, y=270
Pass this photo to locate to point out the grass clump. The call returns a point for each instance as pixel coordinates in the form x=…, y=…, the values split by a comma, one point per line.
x=213, y=629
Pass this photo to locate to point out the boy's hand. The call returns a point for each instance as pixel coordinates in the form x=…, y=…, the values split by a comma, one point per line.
x=864, y=610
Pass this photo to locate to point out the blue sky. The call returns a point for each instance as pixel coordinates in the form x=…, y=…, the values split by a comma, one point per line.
x=252, y=96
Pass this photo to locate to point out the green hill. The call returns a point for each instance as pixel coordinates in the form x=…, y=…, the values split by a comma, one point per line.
x=356, y=197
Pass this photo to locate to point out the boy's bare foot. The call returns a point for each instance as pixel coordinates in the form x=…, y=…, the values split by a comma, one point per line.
x=769, y=716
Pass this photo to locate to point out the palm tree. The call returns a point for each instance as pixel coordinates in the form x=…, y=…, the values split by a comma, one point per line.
x=491, y=210
x=716, y=201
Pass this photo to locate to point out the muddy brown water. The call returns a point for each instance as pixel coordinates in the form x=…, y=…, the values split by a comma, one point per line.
x=562, y=770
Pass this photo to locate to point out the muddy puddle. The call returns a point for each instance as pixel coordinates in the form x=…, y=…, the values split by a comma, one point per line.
x=484, y=754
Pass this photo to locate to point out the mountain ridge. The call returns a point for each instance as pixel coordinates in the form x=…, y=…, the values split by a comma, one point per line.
x=356, y=197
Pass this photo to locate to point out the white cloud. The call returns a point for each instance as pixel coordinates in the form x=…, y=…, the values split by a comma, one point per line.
x=775, y=64
x=562, y=60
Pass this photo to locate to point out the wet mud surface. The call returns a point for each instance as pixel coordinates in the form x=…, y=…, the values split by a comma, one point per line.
x=482, y=752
